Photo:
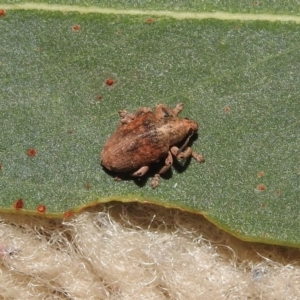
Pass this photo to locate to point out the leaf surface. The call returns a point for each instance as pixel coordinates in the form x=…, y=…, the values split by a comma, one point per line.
x=238, y=79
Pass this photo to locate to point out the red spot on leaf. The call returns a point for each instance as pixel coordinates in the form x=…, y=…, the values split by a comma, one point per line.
x=0, y=167
x=261, y=187
x=76, y=28
x=70, y=131
x=150, y=20
x=2, y=12
x=69, y=214
x=41, y=209
x=31, y=152
x=227, y=109
x=261, y=174
x=19, y=204
x=255, y=2
x=110, y=81
x=277, y=193
x=87, y=186
x=99, y=97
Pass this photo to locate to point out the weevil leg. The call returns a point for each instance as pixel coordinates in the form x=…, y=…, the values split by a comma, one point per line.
x=168, y=164
x=187, y=153
x=141, y=111
x=163, y=111
x=155, y=181
x=198, y=157
x=127, y=117
x=181, y=154
x=178, y=108
x=141, y=171
x=165, y=168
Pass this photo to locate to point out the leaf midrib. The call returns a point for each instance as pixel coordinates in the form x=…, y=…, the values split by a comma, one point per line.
x=156, y=13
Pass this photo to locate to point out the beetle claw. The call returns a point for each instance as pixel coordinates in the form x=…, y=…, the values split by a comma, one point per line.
x=178, y=108
x=155, y=181
x=198, y=157
x=141, y=171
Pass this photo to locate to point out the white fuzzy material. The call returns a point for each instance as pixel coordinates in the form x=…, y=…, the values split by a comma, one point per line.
x=134, y=251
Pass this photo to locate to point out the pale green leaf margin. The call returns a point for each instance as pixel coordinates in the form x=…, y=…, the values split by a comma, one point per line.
x=172, y=14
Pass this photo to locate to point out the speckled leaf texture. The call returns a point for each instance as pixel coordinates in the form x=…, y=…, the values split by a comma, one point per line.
x=238, y=78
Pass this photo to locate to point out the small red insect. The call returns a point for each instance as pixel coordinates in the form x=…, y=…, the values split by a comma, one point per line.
x=147, y=137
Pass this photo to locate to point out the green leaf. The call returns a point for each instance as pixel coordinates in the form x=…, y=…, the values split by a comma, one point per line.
x=238, y=79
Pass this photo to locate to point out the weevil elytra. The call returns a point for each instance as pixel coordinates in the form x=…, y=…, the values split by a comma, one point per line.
x=148, y=137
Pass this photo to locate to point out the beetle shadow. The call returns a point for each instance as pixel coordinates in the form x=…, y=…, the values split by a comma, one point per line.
x=181, y=165
x=139, y=181
x=153, y=169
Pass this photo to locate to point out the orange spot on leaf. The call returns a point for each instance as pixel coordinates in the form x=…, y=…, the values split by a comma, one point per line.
x=76, y=28
x=227, y=109
x=87, y=186
x=261, y=174
x=110, y=81
x=69, y=214
x=31, y=152
x=150, y=20
x=261, y=187
x=2, y=12
x=19, y=204
x=41, y=209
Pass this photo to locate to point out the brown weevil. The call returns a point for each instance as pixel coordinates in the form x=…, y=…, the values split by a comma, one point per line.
x=148, y=137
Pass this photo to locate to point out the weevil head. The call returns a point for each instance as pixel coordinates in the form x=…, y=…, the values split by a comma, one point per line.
x=177, y=129
x=190, y=125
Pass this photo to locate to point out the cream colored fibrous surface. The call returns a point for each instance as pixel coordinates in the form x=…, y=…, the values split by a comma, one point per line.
x=134, y=251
